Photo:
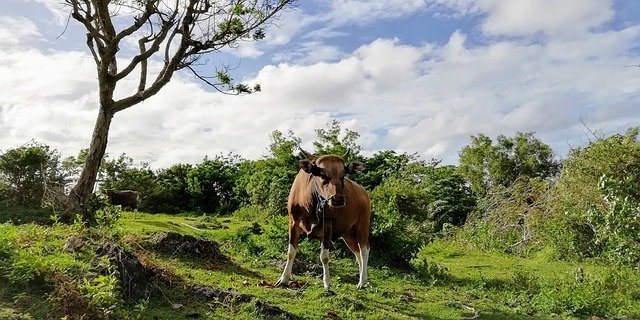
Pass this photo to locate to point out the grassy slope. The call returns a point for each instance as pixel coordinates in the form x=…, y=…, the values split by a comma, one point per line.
x=495, y=285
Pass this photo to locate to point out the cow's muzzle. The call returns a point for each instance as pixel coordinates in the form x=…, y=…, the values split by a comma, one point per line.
x=337, y=201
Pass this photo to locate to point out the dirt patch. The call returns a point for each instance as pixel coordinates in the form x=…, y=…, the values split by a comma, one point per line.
x=266, y=310
x=137, y=279
x=186, y=245
x=134, y=278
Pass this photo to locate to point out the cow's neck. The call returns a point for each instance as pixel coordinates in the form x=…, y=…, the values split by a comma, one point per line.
x=318, y=202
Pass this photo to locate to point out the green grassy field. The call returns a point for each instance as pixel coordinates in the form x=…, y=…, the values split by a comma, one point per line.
x=460, y=282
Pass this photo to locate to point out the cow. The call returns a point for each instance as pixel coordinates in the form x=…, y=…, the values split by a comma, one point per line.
x=124, y=198
x=324, y=204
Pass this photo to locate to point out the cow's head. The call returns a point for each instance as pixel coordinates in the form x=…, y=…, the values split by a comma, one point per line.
x=328, y=174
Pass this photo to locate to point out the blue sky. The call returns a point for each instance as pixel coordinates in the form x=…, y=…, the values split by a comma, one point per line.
x=412, y=76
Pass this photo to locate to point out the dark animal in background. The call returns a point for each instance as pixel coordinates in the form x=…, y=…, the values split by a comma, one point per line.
x=125, y=198
x=324, y=204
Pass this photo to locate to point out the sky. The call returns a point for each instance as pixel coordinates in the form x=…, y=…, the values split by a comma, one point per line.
x=416, y=76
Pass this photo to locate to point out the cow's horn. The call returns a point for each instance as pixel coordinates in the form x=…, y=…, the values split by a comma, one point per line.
x=304, y=153
x=346, y=154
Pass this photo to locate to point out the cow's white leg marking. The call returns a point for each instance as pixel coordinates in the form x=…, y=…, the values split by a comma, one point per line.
x=324, y=257
x=364, y=256
x=286, y=274
x=359, y=260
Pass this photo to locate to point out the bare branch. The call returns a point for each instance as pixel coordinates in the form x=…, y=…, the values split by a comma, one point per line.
x=66, y=25
x=150, y=9
x=146, y=54
x=211, y=84
x=91, y=45
x=143, y=65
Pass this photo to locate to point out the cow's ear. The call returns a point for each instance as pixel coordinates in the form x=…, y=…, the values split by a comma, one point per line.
x=354, y=167
x=306, y=165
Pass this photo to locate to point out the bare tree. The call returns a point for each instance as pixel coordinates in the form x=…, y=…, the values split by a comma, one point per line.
x=174, y=33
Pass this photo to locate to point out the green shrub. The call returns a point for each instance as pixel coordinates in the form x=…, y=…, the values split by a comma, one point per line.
x=598, y=194
x=108, y=216
x=102, y=293
x=578, y=294
x=28, y=173
x=412, y=209
x=511, y=219
x=616, y=227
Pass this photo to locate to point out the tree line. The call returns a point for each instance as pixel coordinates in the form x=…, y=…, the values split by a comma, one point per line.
x=511, y=194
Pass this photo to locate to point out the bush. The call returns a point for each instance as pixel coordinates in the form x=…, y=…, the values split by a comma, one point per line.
x=597, y=195
x=102, y=292
x=617, y=157
x=411, y=210
x=511, y=219
x=396, y=228
x=578, y=294
x=28, y=174
x=266, y=183
x=616, y=227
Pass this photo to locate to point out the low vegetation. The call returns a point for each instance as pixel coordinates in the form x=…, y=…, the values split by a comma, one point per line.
x=510, y=233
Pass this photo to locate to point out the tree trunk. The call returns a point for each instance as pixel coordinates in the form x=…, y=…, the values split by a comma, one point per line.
x=81, y=193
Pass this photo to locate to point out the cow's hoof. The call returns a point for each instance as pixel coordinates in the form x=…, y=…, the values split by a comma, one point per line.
x=282, y=283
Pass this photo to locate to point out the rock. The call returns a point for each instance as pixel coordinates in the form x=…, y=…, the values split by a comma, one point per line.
x=266, y=310
x=269, y=311
x=219, y=294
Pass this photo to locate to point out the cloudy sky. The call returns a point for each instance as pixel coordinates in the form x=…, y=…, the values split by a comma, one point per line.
x=408, y=75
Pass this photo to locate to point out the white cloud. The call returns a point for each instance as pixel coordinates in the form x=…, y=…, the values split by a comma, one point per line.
x=428, y=98
x=528, y=17
x=288, y=24
x=17, y=33
x=525, y=17
x=278, y=32
x=57, y=8
x=363, y=12
x=324, y=33
x=388, y=62
x=308, y=53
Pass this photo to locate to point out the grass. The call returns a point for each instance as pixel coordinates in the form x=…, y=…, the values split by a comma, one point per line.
x=457, y=281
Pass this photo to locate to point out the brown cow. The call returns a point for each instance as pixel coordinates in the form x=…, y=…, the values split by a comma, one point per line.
x=324, y=204
x=124, y=198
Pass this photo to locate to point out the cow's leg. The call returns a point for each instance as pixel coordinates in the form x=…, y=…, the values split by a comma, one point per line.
x=362, y=236
x=351, y=242
x=364, y=259
x=324, y=255
x=294, y=238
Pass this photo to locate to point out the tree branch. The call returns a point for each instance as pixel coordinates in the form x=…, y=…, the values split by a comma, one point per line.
x=143, y=65
x=146, y=54
x=205, y=80
x=150, y=9
x=91, y=45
